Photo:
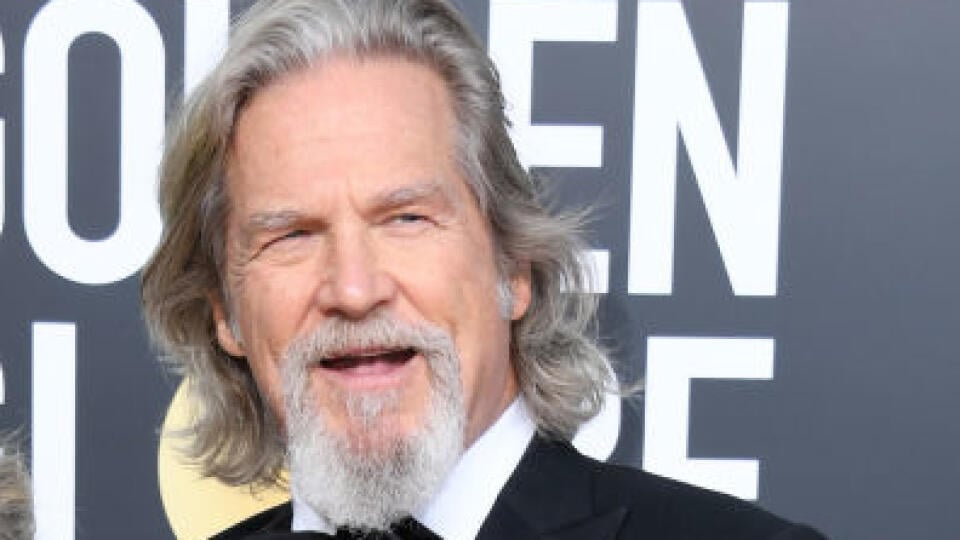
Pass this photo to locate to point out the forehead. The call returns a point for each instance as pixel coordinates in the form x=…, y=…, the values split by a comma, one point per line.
x=343, y=120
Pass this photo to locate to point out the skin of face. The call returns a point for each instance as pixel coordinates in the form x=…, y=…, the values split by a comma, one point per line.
x=345, y=197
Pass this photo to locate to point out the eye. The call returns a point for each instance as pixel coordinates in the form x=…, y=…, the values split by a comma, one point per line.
x=408, y=223
x=289, y=235
x=408, y=218
x=296, y=233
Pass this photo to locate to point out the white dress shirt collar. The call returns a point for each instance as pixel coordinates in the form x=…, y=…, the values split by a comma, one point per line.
x=463, y=501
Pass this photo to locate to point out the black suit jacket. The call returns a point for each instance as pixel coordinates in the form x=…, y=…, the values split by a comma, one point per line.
x=557, y=494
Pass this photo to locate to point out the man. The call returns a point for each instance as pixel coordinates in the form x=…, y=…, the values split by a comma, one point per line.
x=16, y=503
x=359, y=281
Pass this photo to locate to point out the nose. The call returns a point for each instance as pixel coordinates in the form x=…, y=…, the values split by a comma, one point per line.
x=355, y=279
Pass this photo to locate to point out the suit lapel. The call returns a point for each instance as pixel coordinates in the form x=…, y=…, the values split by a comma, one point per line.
x=272, y=520
x=504, y=522
x=602, y=527
x=550, y=496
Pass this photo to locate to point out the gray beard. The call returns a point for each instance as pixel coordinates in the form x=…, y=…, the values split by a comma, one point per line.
x=373, y=479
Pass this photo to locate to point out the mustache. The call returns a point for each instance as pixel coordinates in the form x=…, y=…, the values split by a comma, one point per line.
x=337, y=339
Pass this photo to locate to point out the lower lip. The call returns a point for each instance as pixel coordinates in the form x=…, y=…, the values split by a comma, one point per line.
x=370, y=376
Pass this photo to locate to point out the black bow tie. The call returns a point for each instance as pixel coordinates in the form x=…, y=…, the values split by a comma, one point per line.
x=406, y=529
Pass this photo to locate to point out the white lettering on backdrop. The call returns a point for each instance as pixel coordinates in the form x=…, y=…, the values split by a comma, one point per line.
x=742, y=202
x=671, y=363
x=142, y=59
x=742, y=199
x=512, y=35
x=54, y=429
x=206, y=26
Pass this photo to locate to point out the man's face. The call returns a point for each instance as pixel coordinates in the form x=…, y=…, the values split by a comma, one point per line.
x=345, y=201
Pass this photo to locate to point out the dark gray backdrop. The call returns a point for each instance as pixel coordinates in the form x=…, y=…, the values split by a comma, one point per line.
x=857, y=432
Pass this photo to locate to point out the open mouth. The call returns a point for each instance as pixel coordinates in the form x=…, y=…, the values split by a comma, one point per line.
x=353, y=360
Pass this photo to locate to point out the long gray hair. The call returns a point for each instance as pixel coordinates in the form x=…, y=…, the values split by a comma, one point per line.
x=561, y=371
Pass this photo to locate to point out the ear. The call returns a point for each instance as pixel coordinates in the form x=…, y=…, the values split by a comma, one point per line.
x=520, y=287
x=230, y=342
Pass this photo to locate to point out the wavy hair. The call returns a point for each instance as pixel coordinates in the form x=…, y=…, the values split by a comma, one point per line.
x=561, y=371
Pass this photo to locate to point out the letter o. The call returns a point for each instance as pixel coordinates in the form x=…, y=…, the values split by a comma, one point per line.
x=56, y=26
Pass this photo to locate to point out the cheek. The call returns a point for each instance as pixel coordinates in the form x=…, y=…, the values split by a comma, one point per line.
x=452, y=290
x=267, y=378
x=480, y=331
x=273, y=306
x=270, y=314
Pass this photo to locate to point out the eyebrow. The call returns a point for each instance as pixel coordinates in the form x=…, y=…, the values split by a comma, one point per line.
x=271, y=220
x=411, y=194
